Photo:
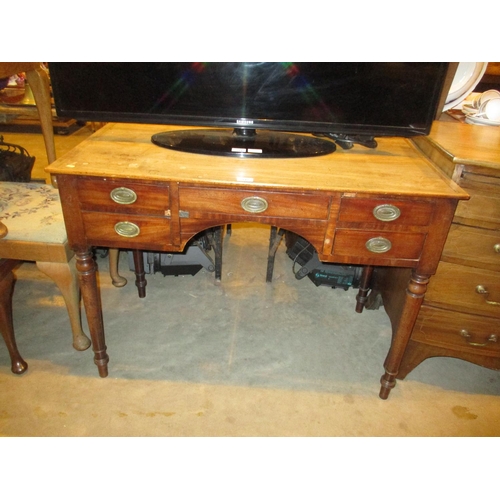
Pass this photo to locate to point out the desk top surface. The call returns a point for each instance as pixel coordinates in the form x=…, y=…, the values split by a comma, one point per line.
x=125, y=151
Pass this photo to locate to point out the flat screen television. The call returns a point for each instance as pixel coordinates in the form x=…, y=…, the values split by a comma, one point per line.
x=256, y=109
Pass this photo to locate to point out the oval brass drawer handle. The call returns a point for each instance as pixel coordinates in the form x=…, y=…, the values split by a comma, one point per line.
x=467, y=336
x=127, y=229
x=123, y=196
x=386, y=212
x=378, y=245
x=254, y=204
x=496, y=248
x=483, y=291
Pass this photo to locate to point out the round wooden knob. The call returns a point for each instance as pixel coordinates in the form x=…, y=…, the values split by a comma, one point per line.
x=3, y=230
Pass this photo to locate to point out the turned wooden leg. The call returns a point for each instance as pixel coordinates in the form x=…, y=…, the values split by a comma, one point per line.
x=415, y=292
x=364, y=288
x=140, y=275
x=414, y=354
x=65, y=277
x=116, y=279
x=216, y=240
x=274, y=241
x=92, y=300
x=18, y=365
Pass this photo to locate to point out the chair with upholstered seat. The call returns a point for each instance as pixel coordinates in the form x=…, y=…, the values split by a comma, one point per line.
x=52, y=253
x=35, y=231
x=33, y=228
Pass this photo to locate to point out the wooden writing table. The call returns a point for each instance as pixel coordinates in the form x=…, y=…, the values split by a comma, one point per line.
x=384, y=207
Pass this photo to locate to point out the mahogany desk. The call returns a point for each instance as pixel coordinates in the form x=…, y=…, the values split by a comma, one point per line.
x=385, y=207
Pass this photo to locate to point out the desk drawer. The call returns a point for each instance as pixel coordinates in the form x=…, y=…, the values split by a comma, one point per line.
x=123, y=196
x=380, y=244
x=388, y=210
x=126, y=231
x=459, y=331
x=465, y=289
x=199, y=202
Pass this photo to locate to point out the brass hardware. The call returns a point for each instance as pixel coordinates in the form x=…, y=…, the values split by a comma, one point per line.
x=483, y=291
x=467, y=336
x=378, y=245
x=123, y=196
x=497, y=248
x=254, y=204
x=127, y=229
x=386, y=212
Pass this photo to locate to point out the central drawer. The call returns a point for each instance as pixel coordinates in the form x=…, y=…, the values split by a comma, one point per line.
x=199, y=202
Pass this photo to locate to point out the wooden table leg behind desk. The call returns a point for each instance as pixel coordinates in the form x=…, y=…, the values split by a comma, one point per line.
x=415, y=292
x=140, y=275
x=86, y=268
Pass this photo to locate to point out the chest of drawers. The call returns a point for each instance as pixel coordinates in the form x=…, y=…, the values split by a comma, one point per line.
x=460, y=316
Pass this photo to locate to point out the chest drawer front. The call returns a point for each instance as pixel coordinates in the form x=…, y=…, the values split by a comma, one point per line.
x=379, y=244
x=127, y=231
x=123, y=196
x=465, y=288
x=389, y=210
x=473, y=247
x=463, y=332
x=257, y=203
x=483, y=207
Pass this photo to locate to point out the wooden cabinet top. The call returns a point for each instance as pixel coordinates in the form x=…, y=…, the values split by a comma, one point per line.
x=475, y=147
x=395, y=167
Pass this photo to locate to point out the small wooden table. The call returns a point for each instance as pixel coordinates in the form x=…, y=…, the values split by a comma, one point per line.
x=384, y=207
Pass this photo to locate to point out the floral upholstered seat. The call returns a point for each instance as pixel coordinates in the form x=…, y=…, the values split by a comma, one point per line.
x=32, y=214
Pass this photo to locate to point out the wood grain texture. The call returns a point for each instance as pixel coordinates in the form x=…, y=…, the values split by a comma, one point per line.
x=396, y=167
x=455, y=319
x=328, y=200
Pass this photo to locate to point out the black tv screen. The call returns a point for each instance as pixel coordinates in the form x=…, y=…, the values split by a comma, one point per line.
x=248, y=99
